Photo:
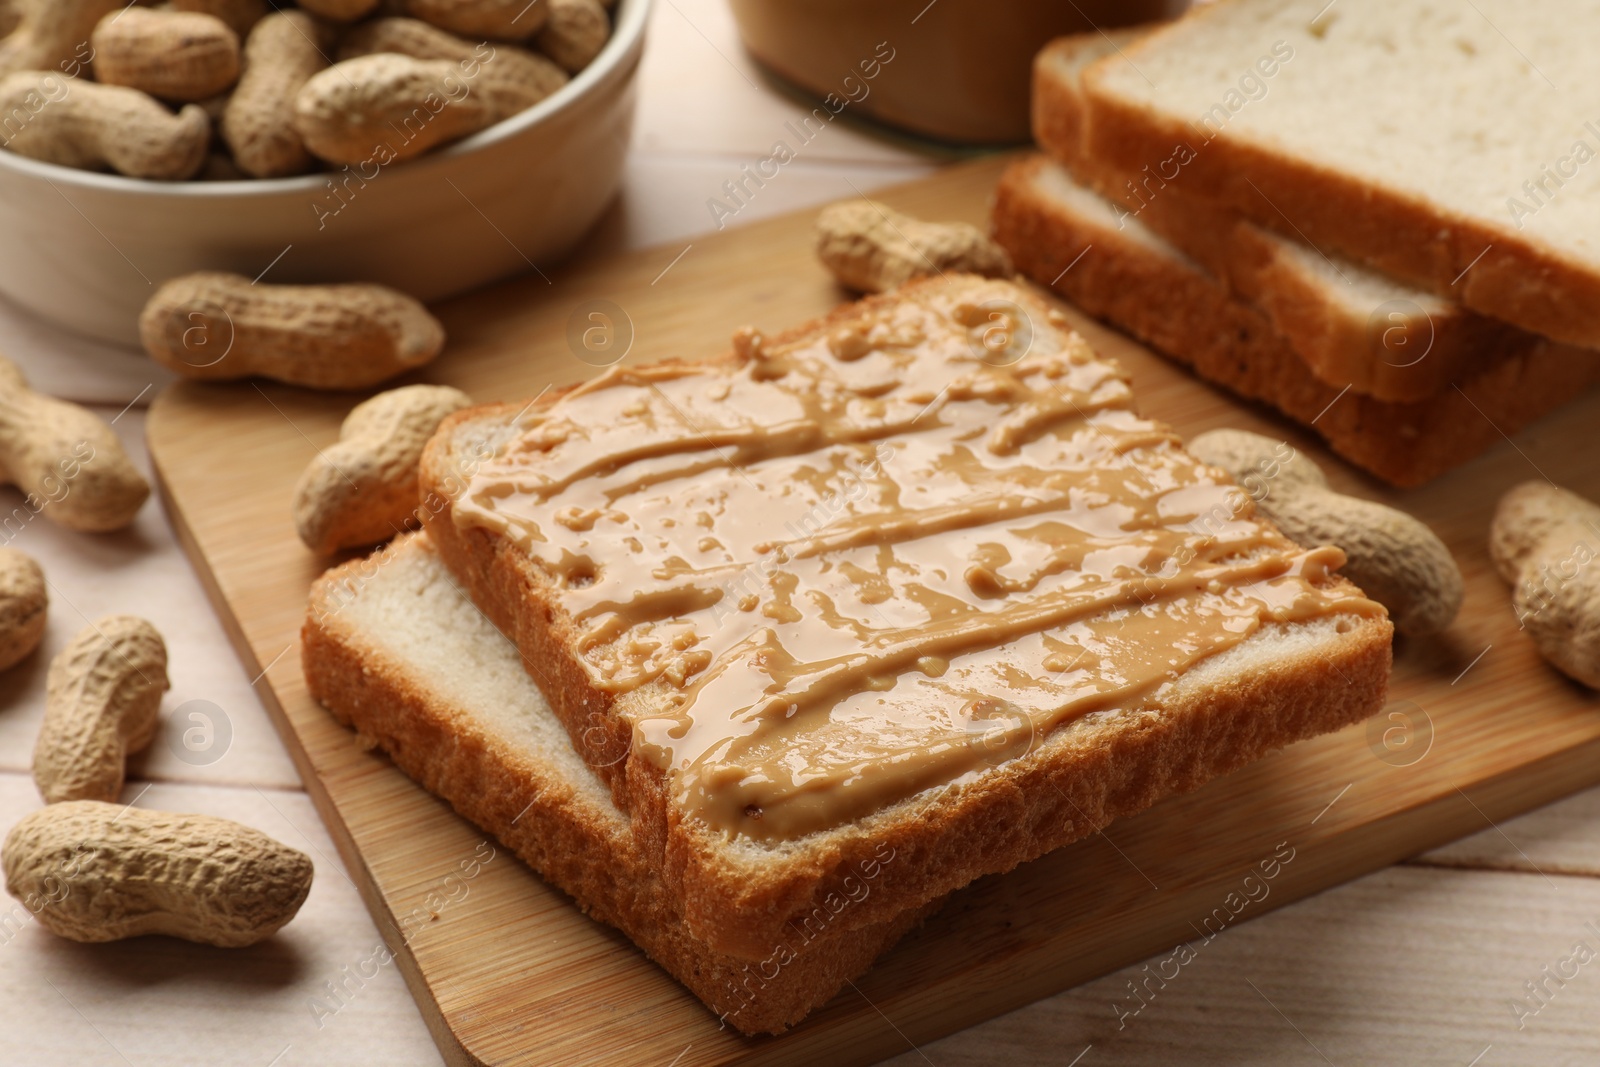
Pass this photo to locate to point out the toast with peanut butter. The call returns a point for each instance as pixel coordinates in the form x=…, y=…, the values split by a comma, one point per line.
x=394, y=648
x=914, y=577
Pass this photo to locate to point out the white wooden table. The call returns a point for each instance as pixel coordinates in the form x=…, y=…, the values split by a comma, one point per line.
x=1471, y=955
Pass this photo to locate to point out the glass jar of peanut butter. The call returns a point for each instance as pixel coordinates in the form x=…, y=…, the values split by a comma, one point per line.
x=952, y=70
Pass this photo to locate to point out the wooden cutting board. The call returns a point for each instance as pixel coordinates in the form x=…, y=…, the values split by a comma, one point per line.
x=507, y=971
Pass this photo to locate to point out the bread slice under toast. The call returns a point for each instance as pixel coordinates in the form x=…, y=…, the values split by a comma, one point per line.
x=393, y=647
x=1353, y=325
x=1082, y=245
x=1413, y=135
x=1283, y=682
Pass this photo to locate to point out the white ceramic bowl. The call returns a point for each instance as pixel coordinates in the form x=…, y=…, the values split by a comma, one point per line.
x=85, y=250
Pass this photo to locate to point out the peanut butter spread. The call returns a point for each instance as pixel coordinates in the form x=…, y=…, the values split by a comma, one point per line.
x=826, y=575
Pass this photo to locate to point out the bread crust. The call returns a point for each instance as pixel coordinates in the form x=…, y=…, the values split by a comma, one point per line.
x=1335, y=342
x=543, y=819
x=1171, y=305
x=1495, y=270
x=1077, y=780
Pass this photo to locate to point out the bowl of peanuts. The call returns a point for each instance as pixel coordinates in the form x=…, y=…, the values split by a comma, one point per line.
x=433, y=146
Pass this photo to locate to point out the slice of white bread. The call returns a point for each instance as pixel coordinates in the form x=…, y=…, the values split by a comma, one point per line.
x=1450, y=143
x=1353, y=325
x=1083, y=246
x=393, y=647
x=1281, y=683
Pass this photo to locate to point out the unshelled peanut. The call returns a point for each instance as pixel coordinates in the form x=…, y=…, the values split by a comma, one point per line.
x=510, y=79
x=281, y=54
x=102, y=704
x=91, y=871
x=387, y=108
x=24, y=605
x=363, y=489
x=1395, y=559
x=872, y=248
x=53, y=35
x=83, y=124
x=69, y=464
x=174, y=55
x=240, y=15
x=1545, y=541
x=501, y=20
x=214, y=327
x=574, y=32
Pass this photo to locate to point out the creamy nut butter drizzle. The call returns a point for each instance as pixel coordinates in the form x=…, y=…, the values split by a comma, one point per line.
x=824, y=576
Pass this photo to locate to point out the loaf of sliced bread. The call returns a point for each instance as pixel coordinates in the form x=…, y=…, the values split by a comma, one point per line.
x=913, y=577
x=395, y=649
x=1353, y=325
x=1452, y=144
x=1087, y=248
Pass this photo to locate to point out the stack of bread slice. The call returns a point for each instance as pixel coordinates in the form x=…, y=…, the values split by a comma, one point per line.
x=1284, y=200
x=395, y=648
x=800, y=640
